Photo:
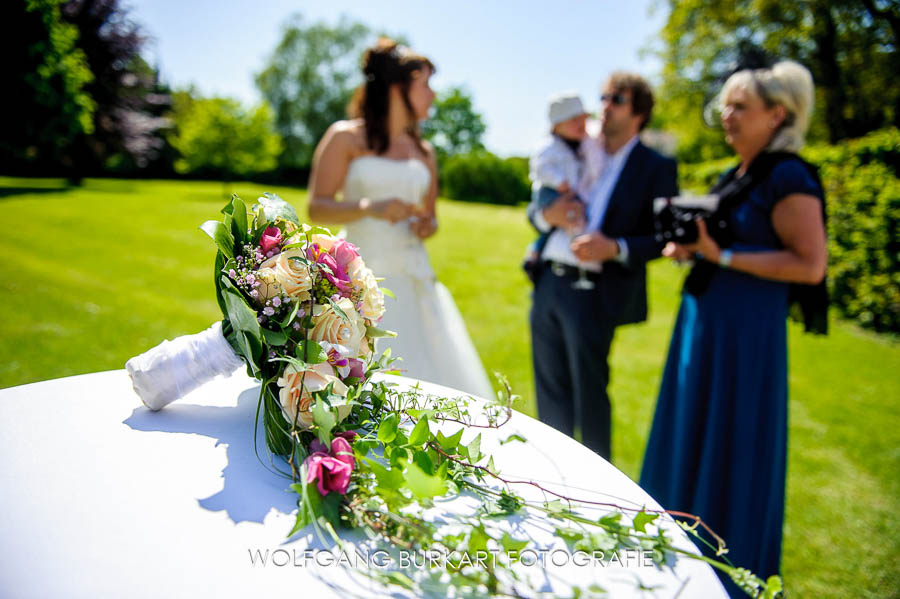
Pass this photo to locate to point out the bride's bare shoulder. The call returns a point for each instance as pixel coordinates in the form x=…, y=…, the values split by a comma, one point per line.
x=350, y=133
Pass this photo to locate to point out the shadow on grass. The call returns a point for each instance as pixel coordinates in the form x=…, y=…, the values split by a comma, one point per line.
x=8, y=192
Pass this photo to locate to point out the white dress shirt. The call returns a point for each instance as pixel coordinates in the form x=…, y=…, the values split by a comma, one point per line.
x=596, y=198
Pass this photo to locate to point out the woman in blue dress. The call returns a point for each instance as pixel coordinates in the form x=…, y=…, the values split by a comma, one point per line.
x=718, y=445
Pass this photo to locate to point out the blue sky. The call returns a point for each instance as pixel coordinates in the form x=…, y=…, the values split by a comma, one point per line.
x=510, y=55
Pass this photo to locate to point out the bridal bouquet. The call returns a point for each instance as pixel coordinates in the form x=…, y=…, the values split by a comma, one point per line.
x=302, y=311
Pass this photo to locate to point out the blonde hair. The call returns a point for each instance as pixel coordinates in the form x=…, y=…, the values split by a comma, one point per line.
x=787, y=84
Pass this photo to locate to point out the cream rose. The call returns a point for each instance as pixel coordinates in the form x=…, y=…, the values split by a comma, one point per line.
x=268, y=285
x=329, y=326
x=297, y=387
x=293, y=276
x=364, y=283
x=326, y=242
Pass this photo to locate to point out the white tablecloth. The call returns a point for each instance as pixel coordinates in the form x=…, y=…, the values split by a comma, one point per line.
x=103, y=498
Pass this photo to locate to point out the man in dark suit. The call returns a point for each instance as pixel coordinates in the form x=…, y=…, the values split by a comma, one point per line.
x=591, y=274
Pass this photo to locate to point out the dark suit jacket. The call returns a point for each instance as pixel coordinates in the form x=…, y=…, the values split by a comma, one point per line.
x=629, y=216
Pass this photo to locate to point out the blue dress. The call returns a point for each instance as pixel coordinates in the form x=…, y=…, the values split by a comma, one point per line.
x=718, y=445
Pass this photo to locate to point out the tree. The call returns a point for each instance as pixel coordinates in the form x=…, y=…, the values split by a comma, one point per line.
x=217, y=136
x=454, y=127
x=309, y=80
x=45, y=76
x=128, y=95
x=850, y=47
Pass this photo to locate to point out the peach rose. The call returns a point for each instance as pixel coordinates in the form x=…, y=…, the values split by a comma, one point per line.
x=268, y=285
x=297, y=387
x=371, y=296
x=329, y=326
x=293, y=276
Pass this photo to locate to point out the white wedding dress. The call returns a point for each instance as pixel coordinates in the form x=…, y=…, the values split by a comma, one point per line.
x=431, y=335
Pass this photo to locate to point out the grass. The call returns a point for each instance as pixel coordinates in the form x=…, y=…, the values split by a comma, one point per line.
x=96, y=274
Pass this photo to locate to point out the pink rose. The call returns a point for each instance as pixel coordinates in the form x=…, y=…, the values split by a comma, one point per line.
x=336, y=275
x=270, y=239
x=348, y=435
x=329, y=473
x=344, y=253
x=357, y=368
x=330, y=470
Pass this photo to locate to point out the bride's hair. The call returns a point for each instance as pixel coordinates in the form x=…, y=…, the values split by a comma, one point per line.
x=383, y=65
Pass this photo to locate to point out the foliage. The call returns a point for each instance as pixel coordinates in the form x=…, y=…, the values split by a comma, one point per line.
x=851, y=48
x=217, y=135
x=309, y=80
x=129, y=98
x=454, y=127
x=863, y=194
x=483, y=177
x=45, y=75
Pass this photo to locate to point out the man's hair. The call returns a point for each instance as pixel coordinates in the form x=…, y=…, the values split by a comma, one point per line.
x=641, y=94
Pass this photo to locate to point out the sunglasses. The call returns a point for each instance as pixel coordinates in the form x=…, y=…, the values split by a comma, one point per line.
x=617, y=99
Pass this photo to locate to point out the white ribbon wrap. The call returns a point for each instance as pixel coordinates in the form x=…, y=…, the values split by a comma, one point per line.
x=174, y=368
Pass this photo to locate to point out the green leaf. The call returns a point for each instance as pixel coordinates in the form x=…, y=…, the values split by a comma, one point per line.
x=387, y=430
x=420, y=433
x=449, y=444
x=509, y=543
x=324, y=419
x=474, y=449
x=274, y=338
x=337, y=309
x=642, y=520
x=241, y=315
x=570, y=535
x=389, y=479
x=423, y=485
x=239, y=222
x=424, y=462
x=220, y=234
x=375, y=333
x=275, y=207
x=387, y=292
x=311, y=352
x=513, y=437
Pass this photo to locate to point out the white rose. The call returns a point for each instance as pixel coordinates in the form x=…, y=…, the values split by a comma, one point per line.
x=293, y=276
x=297, y=387
x=329, y=326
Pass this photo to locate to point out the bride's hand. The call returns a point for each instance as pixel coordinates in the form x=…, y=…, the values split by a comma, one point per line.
x=423, y=226
x=393, y=210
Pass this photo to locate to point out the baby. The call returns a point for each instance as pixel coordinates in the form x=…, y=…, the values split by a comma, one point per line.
x=558, y=164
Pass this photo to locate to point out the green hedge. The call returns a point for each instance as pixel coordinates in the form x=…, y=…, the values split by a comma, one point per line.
x=483, y=177
x=863, y=194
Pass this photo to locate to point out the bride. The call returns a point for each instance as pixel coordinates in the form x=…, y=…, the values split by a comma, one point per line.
x=388, y=178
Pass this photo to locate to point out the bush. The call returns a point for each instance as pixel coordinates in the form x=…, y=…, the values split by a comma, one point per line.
x=863, y=194
x=483, y=177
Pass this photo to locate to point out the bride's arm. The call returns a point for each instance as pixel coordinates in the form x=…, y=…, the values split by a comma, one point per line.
x=427, y=222
x=330, y=163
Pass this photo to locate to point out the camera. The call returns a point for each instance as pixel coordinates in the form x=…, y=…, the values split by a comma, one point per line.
x=675, y=219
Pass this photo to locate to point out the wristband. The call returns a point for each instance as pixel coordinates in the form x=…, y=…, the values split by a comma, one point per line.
x=725, y=258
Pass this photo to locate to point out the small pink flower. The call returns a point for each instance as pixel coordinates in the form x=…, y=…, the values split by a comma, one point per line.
x=270, y=239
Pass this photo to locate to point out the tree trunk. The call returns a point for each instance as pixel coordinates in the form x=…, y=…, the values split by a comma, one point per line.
x=825, y=38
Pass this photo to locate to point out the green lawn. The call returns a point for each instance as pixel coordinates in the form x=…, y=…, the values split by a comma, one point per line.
x=96, y=274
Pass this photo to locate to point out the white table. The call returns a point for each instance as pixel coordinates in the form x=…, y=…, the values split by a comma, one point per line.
x=102, y=498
